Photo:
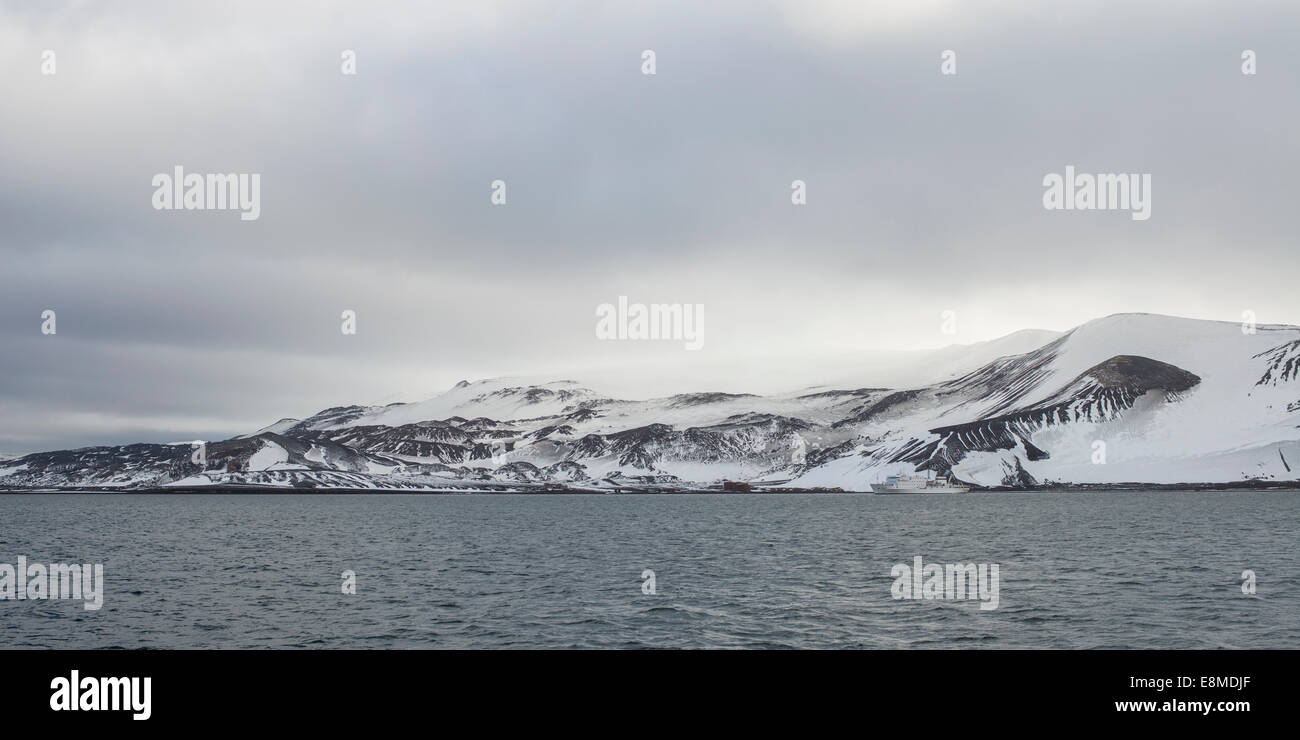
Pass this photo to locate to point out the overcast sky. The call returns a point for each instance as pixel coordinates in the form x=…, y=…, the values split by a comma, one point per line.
x=924, y=192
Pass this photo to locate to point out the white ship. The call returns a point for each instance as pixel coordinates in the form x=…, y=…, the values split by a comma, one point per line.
x=918, y=484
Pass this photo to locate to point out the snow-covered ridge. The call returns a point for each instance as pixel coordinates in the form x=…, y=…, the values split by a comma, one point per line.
x=1125, y=398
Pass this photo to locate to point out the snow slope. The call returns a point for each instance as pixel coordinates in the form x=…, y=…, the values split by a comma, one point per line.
x=1125, y=398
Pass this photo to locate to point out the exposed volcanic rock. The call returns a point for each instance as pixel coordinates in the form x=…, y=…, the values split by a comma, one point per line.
x=698, y=399
x=639, y=448
x=820, y=456
x=1140, y=374
x=649, y=434
x=1005, y=421
x=999, y=385
x=880, y=407
x=535, y=394
x=1283, y=364
x=441, y=443
x=337, y=415
x=1015, y=475
x=737, y=437
x=1101, y=393
x=519, y=471
x=582, y=414
x=564, y=430
x=234, y=455
x=591, y=445
x=98, y=466
x=565, y=471
x=842, y=393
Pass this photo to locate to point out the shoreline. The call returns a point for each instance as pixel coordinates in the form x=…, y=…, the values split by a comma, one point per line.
x=1278, y=486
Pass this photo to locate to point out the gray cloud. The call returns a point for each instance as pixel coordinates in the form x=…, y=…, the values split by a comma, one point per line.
x=924, y=192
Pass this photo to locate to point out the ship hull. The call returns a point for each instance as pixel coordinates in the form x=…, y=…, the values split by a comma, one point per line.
x=886, y=489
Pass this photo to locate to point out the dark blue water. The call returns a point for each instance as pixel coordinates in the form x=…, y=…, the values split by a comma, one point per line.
x=1078, y=570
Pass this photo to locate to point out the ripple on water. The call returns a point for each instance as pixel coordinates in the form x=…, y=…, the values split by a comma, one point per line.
x=1122, y=570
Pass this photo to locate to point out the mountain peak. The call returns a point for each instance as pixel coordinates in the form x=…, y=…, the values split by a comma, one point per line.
x=1177, y=400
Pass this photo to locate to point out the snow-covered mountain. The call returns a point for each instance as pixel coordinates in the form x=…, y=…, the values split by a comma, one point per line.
x=1127, y=398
